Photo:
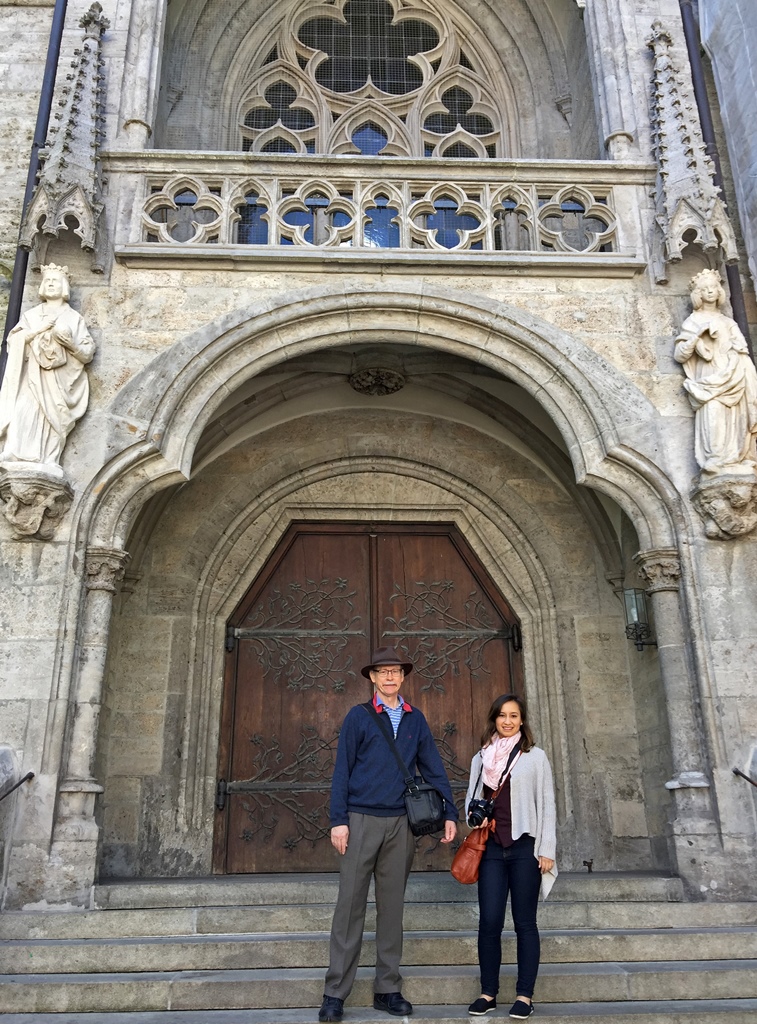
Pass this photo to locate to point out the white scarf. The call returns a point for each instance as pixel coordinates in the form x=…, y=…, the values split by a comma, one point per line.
x=494, y=757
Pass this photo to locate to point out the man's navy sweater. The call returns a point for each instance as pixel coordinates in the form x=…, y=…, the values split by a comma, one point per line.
x=367, y=778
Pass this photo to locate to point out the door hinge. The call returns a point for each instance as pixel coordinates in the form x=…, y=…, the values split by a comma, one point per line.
x=231, y=638
x=220, y=794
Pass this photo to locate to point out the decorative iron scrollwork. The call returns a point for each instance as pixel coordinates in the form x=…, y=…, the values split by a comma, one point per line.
x=301, y=631
x=275, y=792
x=429, y=618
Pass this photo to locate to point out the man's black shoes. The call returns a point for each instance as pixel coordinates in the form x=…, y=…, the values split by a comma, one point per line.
x=393, y=1003
x=332, y=1009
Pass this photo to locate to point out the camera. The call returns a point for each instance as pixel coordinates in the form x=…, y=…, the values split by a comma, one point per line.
x=479, y=811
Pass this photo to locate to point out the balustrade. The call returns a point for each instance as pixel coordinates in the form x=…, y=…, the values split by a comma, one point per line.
x=488, y=208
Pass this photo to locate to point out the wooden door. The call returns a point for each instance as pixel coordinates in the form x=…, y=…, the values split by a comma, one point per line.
x=296, y=645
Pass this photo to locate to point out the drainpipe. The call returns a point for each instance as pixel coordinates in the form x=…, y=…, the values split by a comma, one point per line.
x=694, y=47
x=40, y=137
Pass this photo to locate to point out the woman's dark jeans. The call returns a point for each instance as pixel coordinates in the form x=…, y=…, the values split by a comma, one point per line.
x=514, y=870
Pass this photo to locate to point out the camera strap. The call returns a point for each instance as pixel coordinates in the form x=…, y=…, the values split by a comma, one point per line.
x=511, y=762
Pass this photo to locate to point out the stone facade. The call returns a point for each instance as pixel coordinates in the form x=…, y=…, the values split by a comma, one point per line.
x=542, y=412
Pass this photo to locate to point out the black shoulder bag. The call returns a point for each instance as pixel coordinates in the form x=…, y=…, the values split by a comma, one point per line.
x=424, y=803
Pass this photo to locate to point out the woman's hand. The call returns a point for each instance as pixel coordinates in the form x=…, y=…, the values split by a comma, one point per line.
x=340, y=835
x=545, y=865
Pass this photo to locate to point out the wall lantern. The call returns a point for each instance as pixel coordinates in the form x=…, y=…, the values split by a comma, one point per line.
x=637, y=619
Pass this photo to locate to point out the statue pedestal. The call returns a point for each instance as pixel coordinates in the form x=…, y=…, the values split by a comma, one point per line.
x=727, y=503
x=36, y=497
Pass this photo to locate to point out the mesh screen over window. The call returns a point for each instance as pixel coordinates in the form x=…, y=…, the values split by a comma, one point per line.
x=369, y=46
x=368, y=77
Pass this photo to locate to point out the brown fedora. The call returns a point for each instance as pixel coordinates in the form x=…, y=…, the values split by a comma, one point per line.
x=386, y=656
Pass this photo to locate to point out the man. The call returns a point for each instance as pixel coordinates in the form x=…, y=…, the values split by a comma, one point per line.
x=370, y=831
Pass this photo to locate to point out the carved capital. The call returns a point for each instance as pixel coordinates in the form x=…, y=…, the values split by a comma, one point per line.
x=105, y=568
x=727, y=505
x=659, y=568
x=36, y=498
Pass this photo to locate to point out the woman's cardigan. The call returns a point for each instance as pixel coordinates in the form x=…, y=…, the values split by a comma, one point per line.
x=532, y=803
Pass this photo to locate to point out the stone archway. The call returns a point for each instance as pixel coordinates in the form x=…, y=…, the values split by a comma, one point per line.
x=604, y=421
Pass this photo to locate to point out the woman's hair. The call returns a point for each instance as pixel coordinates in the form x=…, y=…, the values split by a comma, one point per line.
x=527, y=737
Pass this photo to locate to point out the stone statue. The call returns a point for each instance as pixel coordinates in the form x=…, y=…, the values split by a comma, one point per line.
x=721, y=381
x=45, y=390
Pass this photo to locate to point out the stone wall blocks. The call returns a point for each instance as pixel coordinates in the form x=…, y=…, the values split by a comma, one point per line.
x=736, y=667
x=34, y=800
x=629, y=819
x=142, y=754
x=25, y=668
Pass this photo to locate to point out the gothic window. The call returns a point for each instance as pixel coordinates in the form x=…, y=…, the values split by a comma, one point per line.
x=368, y=48
x=371, y=77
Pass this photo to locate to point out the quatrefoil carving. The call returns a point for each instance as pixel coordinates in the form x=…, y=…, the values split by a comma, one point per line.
x=184, y=210
x=446, y=213
x=593, y=222
x=316, y=214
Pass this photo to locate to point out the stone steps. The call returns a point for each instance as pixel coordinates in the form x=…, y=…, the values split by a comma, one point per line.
x=423, y=887
x=729, y=1011
x=277, y=988
x=309, y=949
x=316, y=917
x=627, y=943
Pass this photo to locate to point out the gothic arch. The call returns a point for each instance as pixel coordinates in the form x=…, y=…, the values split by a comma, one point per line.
x=244, y=546
x=530, y=57
x=607, y=425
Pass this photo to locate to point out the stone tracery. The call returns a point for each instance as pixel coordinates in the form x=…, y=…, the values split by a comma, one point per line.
x=397, y=67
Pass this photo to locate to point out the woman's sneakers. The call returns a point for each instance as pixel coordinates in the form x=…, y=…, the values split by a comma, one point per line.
x=482, y=1006
x=520, y=1010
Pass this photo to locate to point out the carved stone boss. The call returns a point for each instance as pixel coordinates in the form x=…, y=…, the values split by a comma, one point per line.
x=44, y=393
x=721, y=382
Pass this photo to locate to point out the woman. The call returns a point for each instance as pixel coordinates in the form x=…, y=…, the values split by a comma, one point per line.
x=520, y=853
x=45, y=389
x=721, y=381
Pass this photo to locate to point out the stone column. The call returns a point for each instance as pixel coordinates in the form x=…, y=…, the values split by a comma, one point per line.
x=612, y=79
x=73, y=856
x=694, y=830
x=139, y=86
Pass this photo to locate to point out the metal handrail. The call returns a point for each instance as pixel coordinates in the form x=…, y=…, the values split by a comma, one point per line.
x=27, y=778
x=742, y=775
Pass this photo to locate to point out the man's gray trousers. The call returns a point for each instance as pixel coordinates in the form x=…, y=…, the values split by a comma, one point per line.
x=384, y=848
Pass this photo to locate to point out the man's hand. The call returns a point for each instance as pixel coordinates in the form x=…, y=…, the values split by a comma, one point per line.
x=339, y=837
x=450, y=831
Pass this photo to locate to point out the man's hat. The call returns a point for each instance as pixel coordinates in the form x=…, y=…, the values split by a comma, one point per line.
x=385, y=656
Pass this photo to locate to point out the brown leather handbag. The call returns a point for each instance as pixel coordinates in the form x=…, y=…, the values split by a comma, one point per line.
x=468, y=857
x=466, y=861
